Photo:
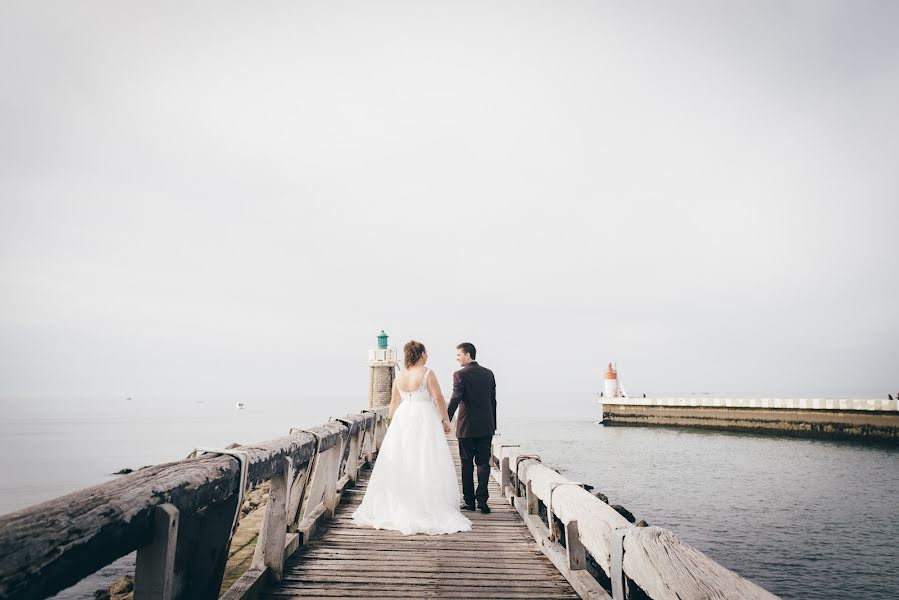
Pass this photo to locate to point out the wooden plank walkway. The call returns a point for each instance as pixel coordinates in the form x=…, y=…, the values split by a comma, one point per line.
x=498, y=558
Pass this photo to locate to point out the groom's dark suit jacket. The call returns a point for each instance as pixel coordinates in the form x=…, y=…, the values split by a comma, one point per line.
x=474, y=394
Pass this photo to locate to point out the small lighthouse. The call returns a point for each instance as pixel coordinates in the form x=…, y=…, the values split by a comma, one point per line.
x=381, y=372
x=610, y=389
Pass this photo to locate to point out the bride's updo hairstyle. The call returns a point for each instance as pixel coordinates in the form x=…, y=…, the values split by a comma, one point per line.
x=412, y=351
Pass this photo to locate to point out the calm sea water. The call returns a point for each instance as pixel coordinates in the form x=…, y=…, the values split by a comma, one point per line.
x=803, y=518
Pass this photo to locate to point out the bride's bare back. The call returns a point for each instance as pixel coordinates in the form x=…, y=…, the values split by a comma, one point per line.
x=410, y=380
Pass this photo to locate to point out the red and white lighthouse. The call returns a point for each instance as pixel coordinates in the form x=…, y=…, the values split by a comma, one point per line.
x=611, y=389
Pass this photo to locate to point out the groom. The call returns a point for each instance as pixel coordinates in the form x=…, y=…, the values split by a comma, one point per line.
x=474, y=394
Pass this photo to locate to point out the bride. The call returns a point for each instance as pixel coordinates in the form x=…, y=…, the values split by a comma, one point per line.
x=413, y=487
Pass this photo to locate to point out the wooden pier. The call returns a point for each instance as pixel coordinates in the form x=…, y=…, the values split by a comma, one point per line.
x=498, y=558
x=547, y=536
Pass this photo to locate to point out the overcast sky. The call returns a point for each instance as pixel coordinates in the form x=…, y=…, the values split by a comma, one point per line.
x=234, y=198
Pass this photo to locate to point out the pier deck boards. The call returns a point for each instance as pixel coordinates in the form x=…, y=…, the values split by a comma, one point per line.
x=498, y=558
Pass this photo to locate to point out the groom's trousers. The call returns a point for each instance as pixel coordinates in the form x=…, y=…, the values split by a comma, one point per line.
x=475, y=450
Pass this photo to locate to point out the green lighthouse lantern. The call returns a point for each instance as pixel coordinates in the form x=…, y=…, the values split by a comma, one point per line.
x=382, y=340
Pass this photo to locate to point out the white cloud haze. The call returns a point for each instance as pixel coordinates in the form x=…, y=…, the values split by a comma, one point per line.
x=232, y=199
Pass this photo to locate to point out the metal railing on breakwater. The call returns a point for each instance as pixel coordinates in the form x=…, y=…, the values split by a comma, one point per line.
x=827, y=418
x=854, y=404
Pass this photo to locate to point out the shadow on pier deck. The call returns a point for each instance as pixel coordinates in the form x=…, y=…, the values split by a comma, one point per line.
x=498, y=558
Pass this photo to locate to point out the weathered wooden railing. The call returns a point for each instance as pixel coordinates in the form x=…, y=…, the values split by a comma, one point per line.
x=599, y=551
x=179, y=516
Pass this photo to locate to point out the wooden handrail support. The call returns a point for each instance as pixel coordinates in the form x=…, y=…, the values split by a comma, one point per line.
x=351, y=457
x=178, y=517
x=373, y=437
x=505, y=478
x=649, y=558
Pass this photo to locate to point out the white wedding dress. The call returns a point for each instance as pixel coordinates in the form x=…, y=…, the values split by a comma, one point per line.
x=413, y=487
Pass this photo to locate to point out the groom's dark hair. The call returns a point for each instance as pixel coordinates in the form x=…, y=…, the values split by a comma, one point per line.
x=467, y=348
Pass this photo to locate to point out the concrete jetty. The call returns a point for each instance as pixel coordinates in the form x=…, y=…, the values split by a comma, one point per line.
x=829, y=418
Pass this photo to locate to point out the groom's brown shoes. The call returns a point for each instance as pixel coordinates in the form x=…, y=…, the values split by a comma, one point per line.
x=485, y=509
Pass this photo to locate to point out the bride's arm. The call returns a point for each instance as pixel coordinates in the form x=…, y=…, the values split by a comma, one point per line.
x=439, y=400
x=394, y=399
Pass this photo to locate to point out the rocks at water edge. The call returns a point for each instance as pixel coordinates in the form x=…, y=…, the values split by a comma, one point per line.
x=624, y=512
x=618, y=508
x=255, y=498
x=124, y=471
x=123, y=589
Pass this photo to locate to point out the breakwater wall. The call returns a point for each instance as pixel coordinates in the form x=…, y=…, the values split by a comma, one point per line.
x=833, y=418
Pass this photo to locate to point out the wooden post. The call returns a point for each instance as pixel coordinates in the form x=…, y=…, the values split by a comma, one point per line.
x=332, y=466
x=616, y=564
x=368, y=440
x=202, y=550
x=577, y=556
x=316, y=485
x=381, y=431
x=352, y=461
x=351, y=451
x=154, y=573
x=321, y=497
x=505, y=475
x=551, y=521
x=533, y=501
x=298, y=488
x=518, y=460
x=368, y=445
x=553, y=528
x=273, y=534
x=345, y=460
x=374, y=434
x=302, y=485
